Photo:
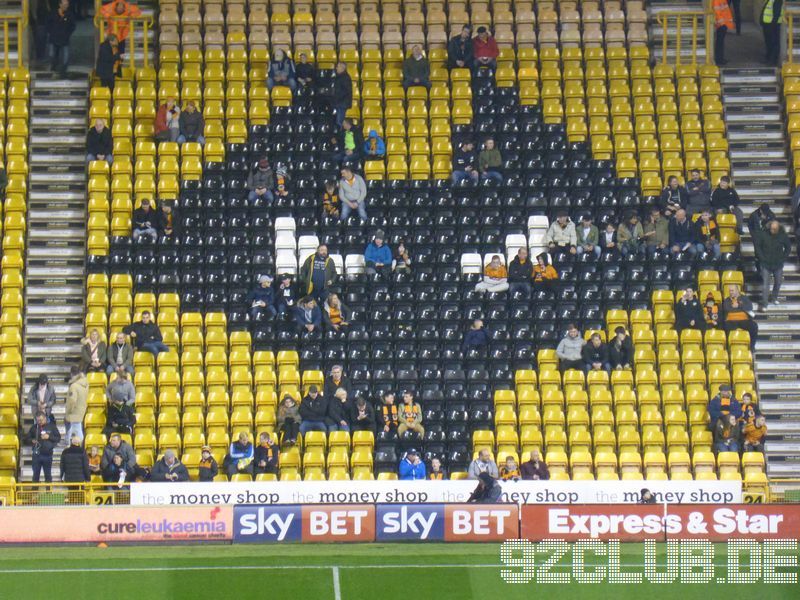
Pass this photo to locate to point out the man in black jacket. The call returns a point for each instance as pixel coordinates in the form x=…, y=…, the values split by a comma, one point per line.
x=43, y=437
x=313, y=410
x=342, y=93
x=60, y=26
x=620, y=350
x=107, y=58
x=689, y=312
x=145, y=221
x=362, y=416
x=99, y=143
x=120, y=418
x=75, y=463
x=595, y=355
x=459, y=49
x=520, y=273
x=464, y=163
x=335, y=380
x=146, y=335
x=191, y=125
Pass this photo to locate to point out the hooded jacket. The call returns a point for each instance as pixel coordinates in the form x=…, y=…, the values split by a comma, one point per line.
x=570, y=348
x=411, y=472
x=377, y=141
x=77, y=395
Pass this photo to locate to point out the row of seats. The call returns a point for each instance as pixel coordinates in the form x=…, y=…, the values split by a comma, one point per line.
x=14, y=131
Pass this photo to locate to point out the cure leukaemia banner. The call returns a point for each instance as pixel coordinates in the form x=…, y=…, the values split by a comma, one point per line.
x=42, y=525
x=436, y=492
x=654, y=522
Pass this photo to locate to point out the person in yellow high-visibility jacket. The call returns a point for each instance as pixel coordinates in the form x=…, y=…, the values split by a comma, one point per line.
x=771, y=19
x=723, y=23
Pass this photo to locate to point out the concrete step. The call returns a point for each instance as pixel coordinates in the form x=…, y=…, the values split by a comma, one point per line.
x=59, y=310
x=56, y=215
x=52, y=349
x=57, y=177
x=58, y=140
x=48, y=291
x=54, y=252
x=50, y=234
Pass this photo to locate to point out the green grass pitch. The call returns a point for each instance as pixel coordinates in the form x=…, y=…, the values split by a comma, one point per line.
x=411, y=571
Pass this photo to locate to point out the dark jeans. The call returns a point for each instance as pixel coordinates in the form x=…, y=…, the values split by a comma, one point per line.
x=307, y=426
x=290, y=429
x=719, y=44
x=231, y=468
x=59, y=59
x=737, y=15
x=772, y=37
x=777, y=280
x=565, y=364
x=517, y=286
x=154, y=348
x=42, y=462
x=749, y=326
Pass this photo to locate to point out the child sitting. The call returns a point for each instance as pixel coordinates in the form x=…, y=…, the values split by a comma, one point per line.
x=389, y=415
x=510, y=470
x=711, y=311
x=754, y=434
x=208, y=465
x=330, y=200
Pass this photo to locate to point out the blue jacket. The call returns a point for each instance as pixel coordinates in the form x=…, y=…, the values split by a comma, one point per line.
x=475, y=337
x=381, y=255
x=715, y=408
x=261, y=294
x=238, y=452
x=316, y=316
x=409, y=472
x=681, y=234
x=380, y=145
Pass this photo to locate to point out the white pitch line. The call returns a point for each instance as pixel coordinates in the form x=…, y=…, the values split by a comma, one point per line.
x=337, y=588
x=298, y=567
x=244, y=568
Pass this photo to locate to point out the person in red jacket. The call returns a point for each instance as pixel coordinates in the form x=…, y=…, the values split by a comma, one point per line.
x=484, y=49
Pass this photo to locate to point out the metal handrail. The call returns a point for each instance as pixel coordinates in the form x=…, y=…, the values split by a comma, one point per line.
x=146, y=23
x=20, y=21
x=680, y=18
